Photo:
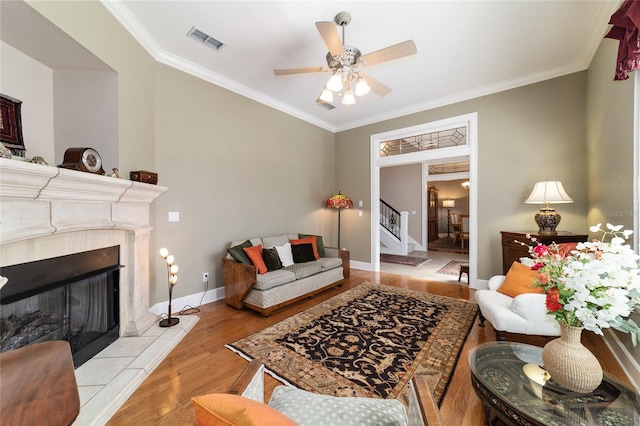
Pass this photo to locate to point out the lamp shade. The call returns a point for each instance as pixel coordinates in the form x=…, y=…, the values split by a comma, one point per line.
x=448, y=203
x=549, y=192
x=339, y=201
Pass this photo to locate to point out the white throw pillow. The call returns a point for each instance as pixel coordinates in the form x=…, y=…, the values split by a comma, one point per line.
x=285, y=255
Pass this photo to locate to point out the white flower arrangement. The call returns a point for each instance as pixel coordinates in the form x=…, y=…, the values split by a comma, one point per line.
x=595, y=286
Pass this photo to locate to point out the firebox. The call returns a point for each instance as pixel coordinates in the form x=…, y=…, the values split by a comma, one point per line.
x=73, y=298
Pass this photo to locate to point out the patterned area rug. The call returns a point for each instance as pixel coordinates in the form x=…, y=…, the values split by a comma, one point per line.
x=368, y=341
x=403, y=260
x=452, y=268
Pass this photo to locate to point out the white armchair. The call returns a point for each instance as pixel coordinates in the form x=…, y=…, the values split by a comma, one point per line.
x=524, y=314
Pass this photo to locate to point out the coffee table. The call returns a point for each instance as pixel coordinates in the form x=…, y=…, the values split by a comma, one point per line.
x=509, y=395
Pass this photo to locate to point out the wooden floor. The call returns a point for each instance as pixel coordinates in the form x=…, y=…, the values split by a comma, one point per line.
x=201, y=364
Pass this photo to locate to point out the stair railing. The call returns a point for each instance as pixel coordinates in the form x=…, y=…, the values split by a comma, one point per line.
x=397, y=223
x=390, y=219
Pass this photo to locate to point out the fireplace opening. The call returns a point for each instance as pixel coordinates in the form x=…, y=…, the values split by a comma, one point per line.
x=73, y=298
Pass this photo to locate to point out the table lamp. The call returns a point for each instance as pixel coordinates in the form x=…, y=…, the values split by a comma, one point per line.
x=548, y=192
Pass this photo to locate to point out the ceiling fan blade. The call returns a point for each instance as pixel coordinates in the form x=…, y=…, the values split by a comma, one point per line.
x=331, y=37
x=287, y=71
x=397, y=51
x=376, y=86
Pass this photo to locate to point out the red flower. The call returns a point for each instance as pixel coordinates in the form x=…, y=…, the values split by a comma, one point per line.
x=537, y=266
x=540, y=250
x=553, y=300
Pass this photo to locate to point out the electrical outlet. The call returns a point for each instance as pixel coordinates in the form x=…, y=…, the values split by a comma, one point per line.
x=205, y=277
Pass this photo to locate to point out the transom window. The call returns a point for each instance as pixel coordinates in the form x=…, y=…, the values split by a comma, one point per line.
x=424, y=142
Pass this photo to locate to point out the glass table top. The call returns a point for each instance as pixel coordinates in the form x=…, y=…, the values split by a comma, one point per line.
x=498, y=374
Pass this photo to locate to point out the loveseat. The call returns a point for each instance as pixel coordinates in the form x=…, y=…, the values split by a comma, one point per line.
x=268, y=273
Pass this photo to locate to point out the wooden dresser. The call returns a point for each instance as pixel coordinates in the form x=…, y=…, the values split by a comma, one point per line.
x=512, y=250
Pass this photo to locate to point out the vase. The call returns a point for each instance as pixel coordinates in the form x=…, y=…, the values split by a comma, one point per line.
x=570, y=363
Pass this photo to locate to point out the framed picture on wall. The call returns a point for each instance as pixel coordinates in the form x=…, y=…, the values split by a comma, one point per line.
x=11, y=125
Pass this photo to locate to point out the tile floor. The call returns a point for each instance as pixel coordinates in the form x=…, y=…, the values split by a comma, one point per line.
x=430, y=269
x=107, y=380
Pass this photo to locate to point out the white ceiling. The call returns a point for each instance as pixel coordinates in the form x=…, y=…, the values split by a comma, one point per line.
x=465, y=48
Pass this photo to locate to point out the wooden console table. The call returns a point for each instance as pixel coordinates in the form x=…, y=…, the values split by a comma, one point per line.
x=512, y=250
x=38, y=385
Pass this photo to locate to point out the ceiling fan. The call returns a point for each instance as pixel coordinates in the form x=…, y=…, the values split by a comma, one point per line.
x=346, y=63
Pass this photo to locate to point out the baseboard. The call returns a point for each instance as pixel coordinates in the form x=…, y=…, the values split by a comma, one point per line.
x=363, y=266
x=193, y=300
x=624, y=358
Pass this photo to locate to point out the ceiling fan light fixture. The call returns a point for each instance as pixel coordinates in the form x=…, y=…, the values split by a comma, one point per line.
x=327, y=95
x=362, y=88
x=335, y=82
x=348, y=98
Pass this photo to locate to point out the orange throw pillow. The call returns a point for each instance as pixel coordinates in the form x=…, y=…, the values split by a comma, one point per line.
x=308, y=240
x=218, y=409
x=255, y=256
x=519, y=280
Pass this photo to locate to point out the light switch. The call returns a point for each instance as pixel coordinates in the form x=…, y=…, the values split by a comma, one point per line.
x=360, y=203
x=359, y=212
x=413, y=212
x=174, y=216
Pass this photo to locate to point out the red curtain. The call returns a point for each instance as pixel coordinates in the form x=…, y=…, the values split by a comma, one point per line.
x=625, y=29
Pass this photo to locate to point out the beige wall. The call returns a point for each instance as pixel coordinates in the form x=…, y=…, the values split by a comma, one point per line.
x=401, y=188
x=525, y=135
x=234, y=168
x=609, y=141
x=610, y=115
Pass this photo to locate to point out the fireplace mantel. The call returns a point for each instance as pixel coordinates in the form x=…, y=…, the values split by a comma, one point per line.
x=47, y=212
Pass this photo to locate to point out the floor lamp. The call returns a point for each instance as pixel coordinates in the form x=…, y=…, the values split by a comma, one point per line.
x=448, y=203
x=339, y=202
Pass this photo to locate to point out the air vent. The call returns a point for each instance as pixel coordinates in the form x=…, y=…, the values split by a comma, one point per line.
x=325, y=105
x=205, y=38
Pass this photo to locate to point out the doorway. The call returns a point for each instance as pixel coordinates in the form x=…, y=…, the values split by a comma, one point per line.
x=459, y=152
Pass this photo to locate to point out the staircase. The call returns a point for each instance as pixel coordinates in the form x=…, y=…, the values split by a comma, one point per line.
x=394, y=226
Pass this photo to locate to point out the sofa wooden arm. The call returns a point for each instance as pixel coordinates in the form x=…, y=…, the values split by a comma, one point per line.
x=238, y=279
x=346, y=262
x=423, y=409
x=424, y=402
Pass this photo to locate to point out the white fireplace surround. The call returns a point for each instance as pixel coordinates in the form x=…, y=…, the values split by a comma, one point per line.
x=47, y=212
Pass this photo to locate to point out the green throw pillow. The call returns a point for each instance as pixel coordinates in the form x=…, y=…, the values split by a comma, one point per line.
x=238, y=253
x=271, y=259
x=319, y=242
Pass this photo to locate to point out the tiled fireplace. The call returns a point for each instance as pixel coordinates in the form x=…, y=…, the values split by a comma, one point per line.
x=47, y=212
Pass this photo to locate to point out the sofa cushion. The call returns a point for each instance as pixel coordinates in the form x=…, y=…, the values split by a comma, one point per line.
x=319, y=242
x=238, y=253
x=329, y=262
x=285, y=255
x=276, y=240
x=302, y=253
x=255, y=255
x=274, y=279
x=222, y=409
x=271, y=259
x=308, y=408
x=308, y=240
x=306, y=269
x=519, y=280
